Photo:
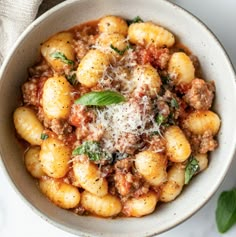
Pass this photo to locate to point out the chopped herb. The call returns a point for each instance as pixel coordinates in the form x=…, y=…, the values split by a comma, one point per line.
x=174, y=103
x=93, y=150
x=120, y=52
x=72, y=79
x=226, y=210
x=89, y=148
x=191, y=169
x=160, y=119
x=137, y=19
x=170, y=119
x=100, y=98
x=165, y=79
x=165, y=121
x=62, y=57
x=44, y=136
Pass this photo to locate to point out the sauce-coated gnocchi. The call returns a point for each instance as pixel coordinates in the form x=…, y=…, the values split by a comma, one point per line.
x=116, y=117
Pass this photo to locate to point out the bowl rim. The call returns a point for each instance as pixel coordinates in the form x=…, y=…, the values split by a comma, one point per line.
x=7, y=60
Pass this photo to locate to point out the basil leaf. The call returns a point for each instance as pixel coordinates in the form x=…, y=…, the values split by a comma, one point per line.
x=93, y=150
x=100, y=98
x=62, y=57
x=191, y=169
x=226, y=210
x=174, y=103
x=120, y=52
x=160, y=119
x=137, y=19
x=72, y=79
x=89, y=148
x=44, y=136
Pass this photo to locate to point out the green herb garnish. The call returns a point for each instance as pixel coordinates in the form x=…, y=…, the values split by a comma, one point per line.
x=62, y=57
x=165, y=121
x=165, y=79
x=174, y=103
x=191, y=169
x=72, y=79
x=44, y=136
x=137, y=19
x=226, y=210
x=160, y=119
x=120, y=52
x=170, y=119
x=100, y=98
x=93, y=150
x=89, y=148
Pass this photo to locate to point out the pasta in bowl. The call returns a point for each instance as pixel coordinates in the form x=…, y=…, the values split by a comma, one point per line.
x=120, y=115
x=116, y=120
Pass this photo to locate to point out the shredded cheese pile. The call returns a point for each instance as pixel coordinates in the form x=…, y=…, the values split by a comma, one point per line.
x=129, y=117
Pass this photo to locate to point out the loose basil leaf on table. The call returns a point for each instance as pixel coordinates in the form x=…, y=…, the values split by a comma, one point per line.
x=226, y=210
x=100, y=98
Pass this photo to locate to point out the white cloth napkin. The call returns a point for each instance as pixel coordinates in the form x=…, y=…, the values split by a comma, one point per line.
x=15, y=16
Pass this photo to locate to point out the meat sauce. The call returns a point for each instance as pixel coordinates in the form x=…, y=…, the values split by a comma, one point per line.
x=151, y=114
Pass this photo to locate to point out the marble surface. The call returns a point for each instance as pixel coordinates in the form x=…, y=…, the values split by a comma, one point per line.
x=17, y=219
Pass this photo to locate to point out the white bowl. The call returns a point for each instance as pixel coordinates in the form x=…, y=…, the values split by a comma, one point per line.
x=215, y=64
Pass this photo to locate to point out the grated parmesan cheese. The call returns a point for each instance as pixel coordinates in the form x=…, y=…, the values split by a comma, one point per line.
x=131, y=117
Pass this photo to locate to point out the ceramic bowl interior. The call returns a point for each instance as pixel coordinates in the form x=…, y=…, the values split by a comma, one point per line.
x=215, y=64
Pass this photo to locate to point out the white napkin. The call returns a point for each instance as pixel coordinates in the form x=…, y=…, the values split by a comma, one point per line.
x=15, y=16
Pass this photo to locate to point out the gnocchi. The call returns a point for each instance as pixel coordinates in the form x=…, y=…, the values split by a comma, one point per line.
x=56, y=98
x=105, y=206
x=62, y=194
x=28, y=125
x=200, y=121
x=141, y=206
x=54, y=157
x=113, y=24
x=202, y=161
x=152, y=166
x=32, y=162
x=88, y=177
x=58, y=51
x=181, y=68
x=174, y=185
x=178, y=148
x=111, y=43
x=116, y=118
x=147, y=33
x=92, y=67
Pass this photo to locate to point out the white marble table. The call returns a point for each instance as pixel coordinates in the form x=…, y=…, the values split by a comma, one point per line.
x=17, y=219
